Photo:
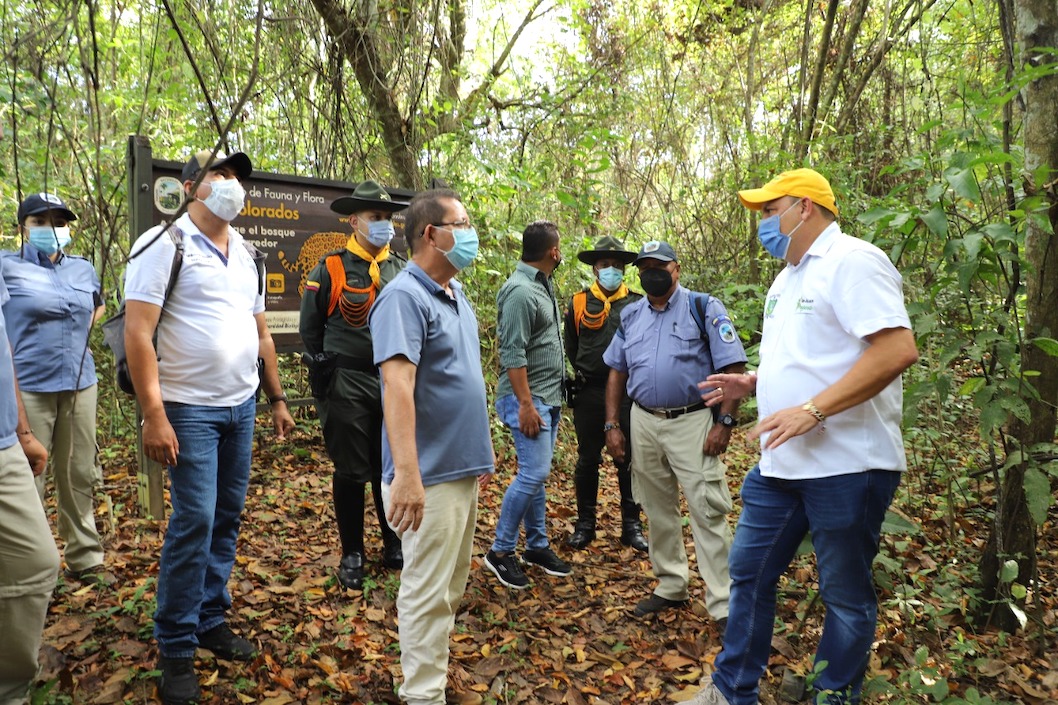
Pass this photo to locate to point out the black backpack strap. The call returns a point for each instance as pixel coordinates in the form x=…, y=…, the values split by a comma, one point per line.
x=698, y=304
x=177, y=236
x=258, y=258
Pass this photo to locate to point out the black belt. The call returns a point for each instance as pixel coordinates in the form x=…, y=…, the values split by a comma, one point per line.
x=359, y=364
x=672, y=413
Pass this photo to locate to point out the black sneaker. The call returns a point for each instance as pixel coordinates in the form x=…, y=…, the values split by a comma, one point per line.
x=226, y=644
x=177, y=684
x=546, y=559
x=655, y=604
x=507, y=570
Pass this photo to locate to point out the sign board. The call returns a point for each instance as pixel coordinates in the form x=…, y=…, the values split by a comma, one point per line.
x=286, y=217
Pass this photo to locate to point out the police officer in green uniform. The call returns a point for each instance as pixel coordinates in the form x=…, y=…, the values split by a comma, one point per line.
x=338, y=297
x=590, y=324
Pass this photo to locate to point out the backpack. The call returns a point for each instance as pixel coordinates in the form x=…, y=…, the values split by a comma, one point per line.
x=114, y=327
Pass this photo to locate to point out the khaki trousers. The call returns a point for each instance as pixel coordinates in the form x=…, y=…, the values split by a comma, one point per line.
x=436, y=568
x=29, y=564
x=666, y=456
x=65, y=422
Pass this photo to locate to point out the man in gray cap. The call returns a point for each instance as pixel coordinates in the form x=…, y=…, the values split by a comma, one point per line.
x=591, y=321
x=339, y=294
x=664, y=344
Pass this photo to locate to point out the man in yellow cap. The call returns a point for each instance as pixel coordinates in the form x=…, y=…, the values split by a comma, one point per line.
x=339, y=295
x=836, y=338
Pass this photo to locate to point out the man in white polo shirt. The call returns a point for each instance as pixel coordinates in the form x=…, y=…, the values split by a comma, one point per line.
x=197, y=391
x=835, y=341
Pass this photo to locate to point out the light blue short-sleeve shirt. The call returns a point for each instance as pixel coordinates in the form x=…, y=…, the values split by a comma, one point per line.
x=8, y=403
x=49, y=314
x=414, y=317
x=665, y=354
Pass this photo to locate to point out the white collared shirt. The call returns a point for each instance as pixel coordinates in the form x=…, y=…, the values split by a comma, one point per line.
x=816, y=318
x=207, y=335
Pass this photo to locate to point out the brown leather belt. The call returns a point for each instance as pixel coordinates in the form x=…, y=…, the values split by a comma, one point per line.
x=672, y=413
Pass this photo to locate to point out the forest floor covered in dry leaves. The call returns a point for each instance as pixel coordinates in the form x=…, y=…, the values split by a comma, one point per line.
x=565, y=640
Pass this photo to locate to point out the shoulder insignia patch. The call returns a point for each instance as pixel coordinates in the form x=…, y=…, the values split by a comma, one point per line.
x=725, y=329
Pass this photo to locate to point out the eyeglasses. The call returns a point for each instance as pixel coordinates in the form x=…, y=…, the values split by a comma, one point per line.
x=457, y=223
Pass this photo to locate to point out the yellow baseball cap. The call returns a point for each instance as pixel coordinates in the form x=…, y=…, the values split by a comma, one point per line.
x=799, y=183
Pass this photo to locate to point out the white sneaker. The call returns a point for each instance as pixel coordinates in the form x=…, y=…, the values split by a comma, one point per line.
x=709, y=695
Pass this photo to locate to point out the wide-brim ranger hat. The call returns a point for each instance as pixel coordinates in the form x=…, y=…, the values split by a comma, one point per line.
x=799, y=183
x=367, y=196
x=238, y=161
x=41, y=203
x=656, y=249
x=607, y=247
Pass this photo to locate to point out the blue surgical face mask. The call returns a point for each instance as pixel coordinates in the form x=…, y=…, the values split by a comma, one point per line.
x=379, y=232
x=47, y=239
x=771, y=239
x=611, y=278
x=465, y=248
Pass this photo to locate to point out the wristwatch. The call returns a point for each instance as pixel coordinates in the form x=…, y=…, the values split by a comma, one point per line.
x=610, y=426
x=728, y=420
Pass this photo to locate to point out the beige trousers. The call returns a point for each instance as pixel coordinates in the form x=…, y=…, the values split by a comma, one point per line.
x=666, y=456
x=436, y=568
x=29, y=564
x=65, y=422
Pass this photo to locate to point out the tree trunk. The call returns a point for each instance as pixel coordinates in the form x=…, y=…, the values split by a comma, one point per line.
x=1014, y=531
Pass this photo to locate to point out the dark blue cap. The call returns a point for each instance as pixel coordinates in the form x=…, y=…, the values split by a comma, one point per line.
x=656, y=249
x=41, y=203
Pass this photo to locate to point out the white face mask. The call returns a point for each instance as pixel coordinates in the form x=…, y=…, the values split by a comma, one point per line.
x=226, y=198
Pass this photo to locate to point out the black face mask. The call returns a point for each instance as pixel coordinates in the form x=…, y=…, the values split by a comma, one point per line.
x=656, y=282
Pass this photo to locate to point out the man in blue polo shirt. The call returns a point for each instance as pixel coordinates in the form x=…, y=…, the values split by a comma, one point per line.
x=436, y=445
x=658, y=354
x=29, y=560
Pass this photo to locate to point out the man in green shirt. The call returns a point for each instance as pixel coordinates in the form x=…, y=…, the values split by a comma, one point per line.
x=529, y=402
x=339, y=294
x=591, y=321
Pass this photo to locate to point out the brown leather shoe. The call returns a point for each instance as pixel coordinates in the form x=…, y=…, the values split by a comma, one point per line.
x=466, y=697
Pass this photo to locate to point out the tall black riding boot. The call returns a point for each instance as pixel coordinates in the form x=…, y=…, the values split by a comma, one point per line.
x=349, y=513
x=631, y=526
x=392, y=553
x=587, y=484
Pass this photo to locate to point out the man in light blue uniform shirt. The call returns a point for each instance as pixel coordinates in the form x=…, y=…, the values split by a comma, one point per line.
x=29, y=561
x=665, y=342
x=436, y=444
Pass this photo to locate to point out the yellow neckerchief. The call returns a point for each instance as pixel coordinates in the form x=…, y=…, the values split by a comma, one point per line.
x=597, y=320
x=355, y=247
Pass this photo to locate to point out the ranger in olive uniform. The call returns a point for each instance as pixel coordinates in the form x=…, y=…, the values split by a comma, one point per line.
x=591, y=321
x=342, y=372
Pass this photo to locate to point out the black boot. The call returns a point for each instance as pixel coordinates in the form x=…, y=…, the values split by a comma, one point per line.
x=392, y=552
x=586, y=481
x=631, y=527
x=632, y=535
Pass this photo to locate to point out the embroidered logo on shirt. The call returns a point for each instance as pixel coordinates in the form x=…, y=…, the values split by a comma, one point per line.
x=769, y=307
x=725, y=329
x=805, y=305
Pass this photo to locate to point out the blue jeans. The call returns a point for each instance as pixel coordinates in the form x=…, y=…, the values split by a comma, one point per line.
x=525, y=501
x=207, y=488
x=844, y=515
